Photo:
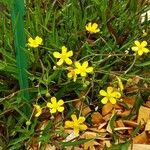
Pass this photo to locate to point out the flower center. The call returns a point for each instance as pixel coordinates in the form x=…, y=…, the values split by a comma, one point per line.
x=63, y=55
x=82, y=70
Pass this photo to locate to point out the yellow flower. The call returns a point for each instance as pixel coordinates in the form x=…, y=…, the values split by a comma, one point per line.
x=92, y=28
x=76, y=124
x=83, y=69
x=140, y=48
x=111, y=95
x=35, y=43
x=64, y=56
x=72, y=73
x=38, y=110
x=55, y=106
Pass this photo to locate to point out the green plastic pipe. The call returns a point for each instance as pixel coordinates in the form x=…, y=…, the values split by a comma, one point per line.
x=18, y=11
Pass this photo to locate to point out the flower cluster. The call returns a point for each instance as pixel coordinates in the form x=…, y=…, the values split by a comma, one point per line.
x=80, y=69
x=54, y=106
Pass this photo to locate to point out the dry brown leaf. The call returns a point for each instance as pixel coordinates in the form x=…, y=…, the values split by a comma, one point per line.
x=119, y=123
x=107, y=117
x=125, y=113
x=147, y=127
x=130, y=123
x=90, y=145
x=147, y=104
x=107, y=108
x=141, y=138
x=85, y=108
x=123, y=128
x=97, y=118
x=139, y=147
x=102, y=125
x=130, y=101
x=144, y=115
x=50, y=147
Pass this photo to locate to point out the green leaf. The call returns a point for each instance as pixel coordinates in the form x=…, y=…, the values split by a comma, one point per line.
x=64, y=144
x=123, y=146
x=138, y=102
x=143, y=64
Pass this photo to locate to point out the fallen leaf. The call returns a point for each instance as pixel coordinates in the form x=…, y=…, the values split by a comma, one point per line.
x=139, y=147
x=107, y=108
x=50, y=147
x=144, y=115
x=147, y=127
x=130, y=123
x=130, y=101
x=97, y=118
x=119, y=123
x=141, y=138
x=90, y=145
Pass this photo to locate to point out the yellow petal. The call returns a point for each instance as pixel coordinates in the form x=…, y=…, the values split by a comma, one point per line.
x=69, y=124
x=56, y=54
x=85, y=64
x=103, y=93
x=109, y=90
x=140, y=52
x=53, y=110
x=38, y=114
x=77, y=71
x=95, y=25
x=38, y=40
x=135, y=48
x=89, y=69
x=69, y=75
x=70, y=53
x=144, y=43
x=76, y=131
x=53, y=100
x=112, y=100
x=137, y=43
x=81, y=119
x=30, y=40
x=104, y=100
x=68, y=61
x=97, y=30
x=64, y=50
x=60, y=102
x=116, y=94
x=83, y=127
x=74, y=77
x=83, y=74
x=145, y=50
x=77, y=64
x=60, y=109
x=74, y=118
x=60, y=62
x=49, y=105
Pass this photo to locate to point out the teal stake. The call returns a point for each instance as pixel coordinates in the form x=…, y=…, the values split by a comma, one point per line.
x=19, y=43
